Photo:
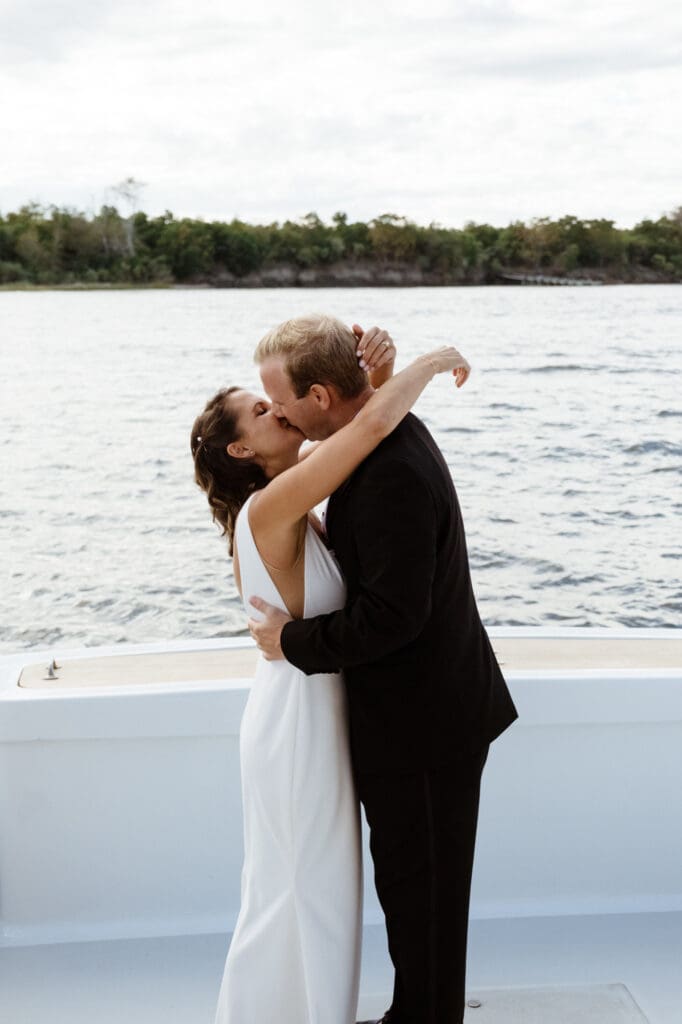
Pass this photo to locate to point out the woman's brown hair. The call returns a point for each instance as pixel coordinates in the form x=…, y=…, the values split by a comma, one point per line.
x=227, y=481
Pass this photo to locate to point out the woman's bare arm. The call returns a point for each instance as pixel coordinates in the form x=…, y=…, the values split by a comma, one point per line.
x=309, y=450
x=293, y=493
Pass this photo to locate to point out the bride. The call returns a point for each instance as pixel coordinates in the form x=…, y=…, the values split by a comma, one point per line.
x=294, y=957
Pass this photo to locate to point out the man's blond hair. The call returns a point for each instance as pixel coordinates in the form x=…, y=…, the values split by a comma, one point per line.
x=316, y=349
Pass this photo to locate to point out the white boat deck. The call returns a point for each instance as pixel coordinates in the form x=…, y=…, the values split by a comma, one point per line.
x=120, y=835
x=516, y=654
x=532, y=966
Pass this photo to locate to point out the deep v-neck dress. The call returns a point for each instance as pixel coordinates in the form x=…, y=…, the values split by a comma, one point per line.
x=295, y=953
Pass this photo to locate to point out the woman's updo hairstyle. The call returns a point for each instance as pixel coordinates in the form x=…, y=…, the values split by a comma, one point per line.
x=227, y=481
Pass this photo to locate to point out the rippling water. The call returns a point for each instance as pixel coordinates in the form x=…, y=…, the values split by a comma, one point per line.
x=565, y=446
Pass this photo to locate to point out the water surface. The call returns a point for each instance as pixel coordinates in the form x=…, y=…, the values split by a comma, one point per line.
x=565, y=447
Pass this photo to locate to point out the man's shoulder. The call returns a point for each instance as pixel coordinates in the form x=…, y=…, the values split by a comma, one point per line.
x=408, y=455
x=411, y=443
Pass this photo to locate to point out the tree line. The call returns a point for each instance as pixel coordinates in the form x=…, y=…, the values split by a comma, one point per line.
x=57, y=245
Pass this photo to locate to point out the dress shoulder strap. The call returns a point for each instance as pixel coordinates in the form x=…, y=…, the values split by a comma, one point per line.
x=255, y=577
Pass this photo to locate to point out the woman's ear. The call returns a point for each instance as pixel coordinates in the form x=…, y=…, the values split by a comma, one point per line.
x=238, y=450
x=321, y=395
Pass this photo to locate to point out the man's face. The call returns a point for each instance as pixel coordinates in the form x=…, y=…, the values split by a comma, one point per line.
x=303, y=413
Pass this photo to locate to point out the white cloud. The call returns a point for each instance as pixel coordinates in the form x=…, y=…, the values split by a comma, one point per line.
x=453, y=111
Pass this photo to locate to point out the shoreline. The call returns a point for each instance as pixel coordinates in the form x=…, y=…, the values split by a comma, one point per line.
x=327, y=281
x=53, y=248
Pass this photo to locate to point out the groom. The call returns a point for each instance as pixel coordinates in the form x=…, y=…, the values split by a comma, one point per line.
x=425, y=693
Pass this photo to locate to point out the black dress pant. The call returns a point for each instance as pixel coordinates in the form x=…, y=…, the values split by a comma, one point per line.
x=422, y=836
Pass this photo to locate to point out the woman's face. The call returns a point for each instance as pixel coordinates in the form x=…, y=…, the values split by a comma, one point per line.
x=260, y=430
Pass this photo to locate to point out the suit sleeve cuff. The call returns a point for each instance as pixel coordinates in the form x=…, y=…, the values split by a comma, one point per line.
x=290, y=642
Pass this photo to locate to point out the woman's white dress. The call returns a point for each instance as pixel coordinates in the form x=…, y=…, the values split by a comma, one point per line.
x=295, y=952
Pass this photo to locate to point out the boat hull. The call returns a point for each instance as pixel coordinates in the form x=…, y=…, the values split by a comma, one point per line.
x=120, y=806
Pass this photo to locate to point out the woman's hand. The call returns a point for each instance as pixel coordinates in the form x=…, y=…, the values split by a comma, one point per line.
x=375, y=348
x=376, y=352
x=448, y=359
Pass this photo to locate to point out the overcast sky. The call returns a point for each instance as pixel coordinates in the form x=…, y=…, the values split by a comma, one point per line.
x=440, y=111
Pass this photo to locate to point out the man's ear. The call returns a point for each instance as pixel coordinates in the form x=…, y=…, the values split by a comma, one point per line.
x=322, y=395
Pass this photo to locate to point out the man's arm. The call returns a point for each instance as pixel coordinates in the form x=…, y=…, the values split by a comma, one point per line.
x=394, y=523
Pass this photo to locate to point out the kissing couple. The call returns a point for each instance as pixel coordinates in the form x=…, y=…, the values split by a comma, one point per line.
x=376, y=683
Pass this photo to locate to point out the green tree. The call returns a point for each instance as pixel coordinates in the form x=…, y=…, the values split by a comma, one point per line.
x=239, y=247
x=394, y=239
x=61, y=244
x=187, y=247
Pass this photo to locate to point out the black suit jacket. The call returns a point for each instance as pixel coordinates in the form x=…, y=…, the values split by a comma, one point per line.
x=422, y=679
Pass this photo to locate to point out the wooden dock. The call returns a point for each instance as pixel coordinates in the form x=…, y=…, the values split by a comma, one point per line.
x=548, y=279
